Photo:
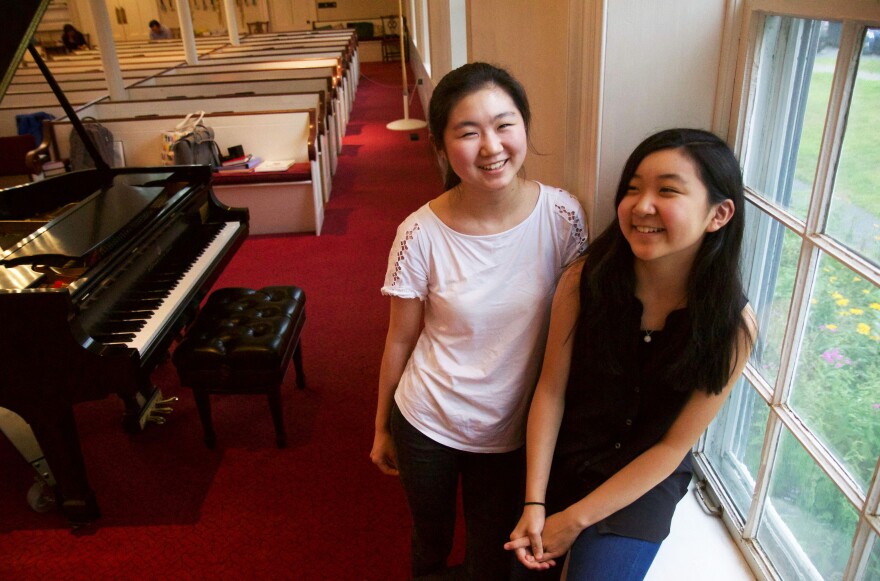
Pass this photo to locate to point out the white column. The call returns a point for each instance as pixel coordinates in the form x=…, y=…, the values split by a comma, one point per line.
x=186, y=32
x=109, y=59
x=231, y=22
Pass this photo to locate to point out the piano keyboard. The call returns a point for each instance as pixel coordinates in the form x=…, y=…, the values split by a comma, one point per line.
x=142, y=317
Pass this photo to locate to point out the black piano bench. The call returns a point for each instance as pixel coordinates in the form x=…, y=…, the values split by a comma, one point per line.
x=241, y=343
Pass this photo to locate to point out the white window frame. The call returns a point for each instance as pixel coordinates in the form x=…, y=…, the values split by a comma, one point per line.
x=746, y=22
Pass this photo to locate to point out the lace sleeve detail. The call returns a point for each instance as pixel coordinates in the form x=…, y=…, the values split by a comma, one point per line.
x=402, y=253
x=573, y=213
x=406, y=276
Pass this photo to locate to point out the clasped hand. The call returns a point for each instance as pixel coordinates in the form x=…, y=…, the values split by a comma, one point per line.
x=538, y=541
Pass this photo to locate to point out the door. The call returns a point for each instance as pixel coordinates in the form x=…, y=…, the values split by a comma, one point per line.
x=130, y=19
x=288, y=15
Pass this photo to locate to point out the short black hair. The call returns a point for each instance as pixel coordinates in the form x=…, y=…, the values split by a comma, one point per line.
x=154, y=23
x=458, y=84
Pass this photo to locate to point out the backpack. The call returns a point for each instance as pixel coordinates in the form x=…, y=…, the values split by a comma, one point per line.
x=101, y=137
x=190, y=142
x=197, y=148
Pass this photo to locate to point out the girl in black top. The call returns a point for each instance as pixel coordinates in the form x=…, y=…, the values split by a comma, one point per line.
x=649, y=332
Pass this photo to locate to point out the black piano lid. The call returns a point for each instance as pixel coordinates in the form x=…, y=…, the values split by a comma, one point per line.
x=20, y=20
x=77, y=233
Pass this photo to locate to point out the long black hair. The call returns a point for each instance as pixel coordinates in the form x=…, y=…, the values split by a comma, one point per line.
x=458, y=84
x=714, y=287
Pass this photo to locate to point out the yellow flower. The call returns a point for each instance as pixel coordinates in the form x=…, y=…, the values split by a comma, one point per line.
x=814, y=302
x=856, y=311
x=832, y=279
x=843, y=313
x=856, y=279
x=836, y=295
x=842, y=302
x=875, y=306
x=863, y=329
x=831, y=327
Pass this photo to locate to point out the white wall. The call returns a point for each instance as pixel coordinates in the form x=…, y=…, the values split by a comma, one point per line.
x=671, y=83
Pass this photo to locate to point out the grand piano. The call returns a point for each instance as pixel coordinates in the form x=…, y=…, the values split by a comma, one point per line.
x=100, y=270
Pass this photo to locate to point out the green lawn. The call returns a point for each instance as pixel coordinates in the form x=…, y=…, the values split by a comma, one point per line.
x=858, y=174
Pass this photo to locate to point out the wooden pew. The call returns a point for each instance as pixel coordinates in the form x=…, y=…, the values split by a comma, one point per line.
x=314, y=101
x=321, y=85
x=205, y=75
x=279, y=202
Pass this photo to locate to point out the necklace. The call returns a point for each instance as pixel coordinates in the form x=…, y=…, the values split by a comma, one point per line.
x=647, y=337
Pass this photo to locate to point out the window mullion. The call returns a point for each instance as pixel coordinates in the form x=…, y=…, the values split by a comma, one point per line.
x=835, y=126
x=806, y=269
x=867, y=531
x=862, y=267
x=769, y=451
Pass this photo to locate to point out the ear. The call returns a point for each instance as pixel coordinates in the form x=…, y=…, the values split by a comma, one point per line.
x=722, y=214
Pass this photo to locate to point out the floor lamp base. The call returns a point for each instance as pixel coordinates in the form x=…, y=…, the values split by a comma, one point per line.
x=406, y=124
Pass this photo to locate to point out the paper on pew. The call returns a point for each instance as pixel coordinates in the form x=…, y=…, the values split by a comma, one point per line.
x=274, y=165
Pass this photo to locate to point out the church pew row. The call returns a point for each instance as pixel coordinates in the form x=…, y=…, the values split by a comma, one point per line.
x=279, y=202
x=252, y=103
x=323, y=86
x=209, y=75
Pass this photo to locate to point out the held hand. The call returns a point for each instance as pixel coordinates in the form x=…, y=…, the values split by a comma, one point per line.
x=560, y=532
x=526, y=541
x=383, y=453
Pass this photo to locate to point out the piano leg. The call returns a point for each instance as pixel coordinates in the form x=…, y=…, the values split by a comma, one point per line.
x=54, y=426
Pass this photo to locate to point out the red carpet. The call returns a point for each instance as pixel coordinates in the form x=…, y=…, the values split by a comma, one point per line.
x=173, y=509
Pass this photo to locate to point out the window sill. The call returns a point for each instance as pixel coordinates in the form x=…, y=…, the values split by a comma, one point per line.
x=699, y=547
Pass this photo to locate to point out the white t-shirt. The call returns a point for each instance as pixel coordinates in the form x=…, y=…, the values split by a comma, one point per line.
x=470, y=378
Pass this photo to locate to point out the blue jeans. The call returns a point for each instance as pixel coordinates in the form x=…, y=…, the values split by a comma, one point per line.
x=491, y=490
x=609, y=557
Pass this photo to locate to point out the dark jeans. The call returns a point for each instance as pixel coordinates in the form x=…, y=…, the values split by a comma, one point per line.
x=491, y=490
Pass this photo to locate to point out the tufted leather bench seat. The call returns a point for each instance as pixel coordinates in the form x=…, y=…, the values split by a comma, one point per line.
x=241, y=343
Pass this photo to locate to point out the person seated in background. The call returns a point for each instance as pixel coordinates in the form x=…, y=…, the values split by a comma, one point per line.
x=159, y=32
x=73, y=39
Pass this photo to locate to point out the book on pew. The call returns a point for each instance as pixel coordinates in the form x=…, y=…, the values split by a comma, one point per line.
x=274, y=165
x=53, y=168
x=249, y=165
x=236, y=161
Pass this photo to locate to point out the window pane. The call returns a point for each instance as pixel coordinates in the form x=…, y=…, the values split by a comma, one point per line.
x=837, y=382
x=770, y=255
x=854, y=217
x=792, y=91
x=807, y=526
x=734, y=440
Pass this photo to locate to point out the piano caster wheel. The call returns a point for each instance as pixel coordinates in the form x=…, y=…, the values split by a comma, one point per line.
x=41, y=498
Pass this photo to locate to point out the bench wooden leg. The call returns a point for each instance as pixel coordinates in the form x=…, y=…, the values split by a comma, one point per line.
x=274, y=395
x=298, y=367
x=203, y=403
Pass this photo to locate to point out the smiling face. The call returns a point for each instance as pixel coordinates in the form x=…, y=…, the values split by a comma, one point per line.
x=485, y=140
x=665, y=213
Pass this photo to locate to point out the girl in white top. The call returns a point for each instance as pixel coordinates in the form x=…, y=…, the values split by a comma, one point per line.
x=471, y=277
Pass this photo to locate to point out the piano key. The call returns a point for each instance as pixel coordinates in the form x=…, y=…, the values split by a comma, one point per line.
x=181, y=293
